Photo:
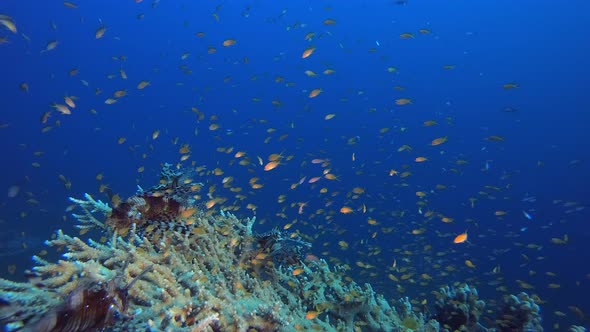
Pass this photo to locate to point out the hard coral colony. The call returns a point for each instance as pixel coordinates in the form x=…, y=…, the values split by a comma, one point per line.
x=170, y=266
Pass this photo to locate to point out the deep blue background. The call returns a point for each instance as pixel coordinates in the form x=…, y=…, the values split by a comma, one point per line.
x=540, y=45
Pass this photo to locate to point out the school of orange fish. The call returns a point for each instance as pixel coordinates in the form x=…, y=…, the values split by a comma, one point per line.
x=403, y=218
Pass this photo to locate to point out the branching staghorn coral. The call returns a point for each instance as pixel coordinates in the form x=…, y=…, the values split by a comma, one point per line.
x=281, y=248
x=170, y=265
x=90, y=206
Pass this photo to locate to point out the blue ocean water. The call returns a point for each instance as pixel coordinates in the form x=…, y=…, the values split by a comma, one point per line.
x=504, y=82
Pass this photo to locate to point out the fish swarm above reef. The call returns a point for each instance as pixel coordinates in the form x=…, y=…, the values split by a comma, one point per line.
x=171, y=266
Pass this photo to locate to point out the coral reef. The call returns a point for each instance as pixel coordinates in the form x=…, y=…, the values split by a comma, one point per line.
x=281, y=248
x=169, y=263
x=459, y=308
x=519, y=313
x=412, y=321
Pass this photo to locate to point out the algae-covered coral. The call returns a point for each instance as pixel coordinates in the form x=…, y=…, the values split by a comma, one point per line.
x=169, y=264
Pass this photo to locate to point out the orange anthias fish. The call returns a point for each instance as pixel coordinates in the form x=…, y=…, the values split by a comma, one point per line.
x=403, y=101
x=345, y=210
x=314, y=93
x=438, y=141
x=271, y=165
x=460, y=238
x=307, y=52
x=311, y=314
x=229, y=42
x=99, y=33
x=141, y=85
x=297, y=271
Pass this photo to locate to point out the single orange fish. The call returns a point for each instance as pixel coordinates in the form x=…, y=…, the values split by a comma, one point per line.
x=314, y=179
x=141, y=85
x=229, y=42
x=330, y=176
x=311, y=314
x=297, y=271
x=188, y=213
x=271, y=165
x=314, y=93
x=210, y=203
x=438, y=141
x=460, y=238
x=403, y=101
x=345, y=210
x=307, y=52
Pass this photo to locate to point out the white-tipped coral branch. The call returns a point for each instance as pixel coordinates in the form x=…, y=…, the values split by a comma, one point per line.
x=206, y=322
x=90, y=206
